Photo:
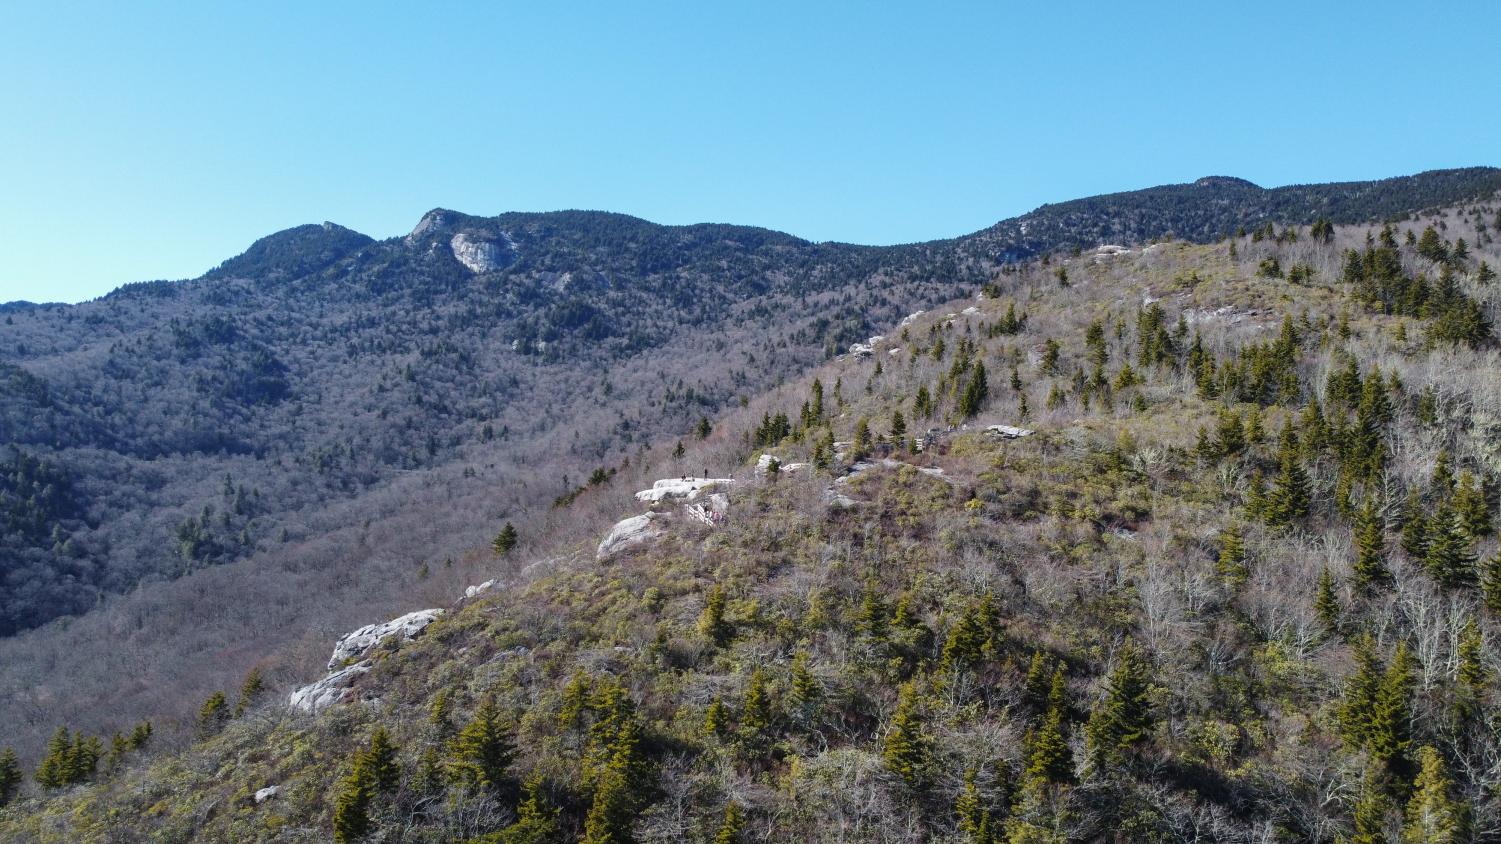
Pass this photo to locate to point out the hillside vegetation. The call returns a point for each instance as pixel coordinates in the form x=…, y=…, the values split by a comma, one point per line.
x=1239, y=583
x=228, y=472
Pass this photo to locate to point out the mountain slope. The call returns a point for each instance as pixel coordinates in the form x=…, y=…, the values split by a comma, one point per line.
x=302, y=440
x=1190, y=604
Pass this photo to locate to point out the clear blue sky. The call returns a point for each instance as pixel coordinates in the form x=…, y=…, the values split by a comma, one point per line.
x=153, y=140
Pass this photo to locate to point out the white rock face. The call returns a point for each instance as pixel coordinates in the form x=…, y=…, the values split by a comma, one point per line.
x=910, y=318
x=480, y=256
x=471, y=591
x=336, y=688
x=680, y=489
x=1008, y=432
x=430, y=221
x=361, y=641
x=763, y=465
x=861, y=350
x=267, y=793
x=970, y=311
x=628, y=533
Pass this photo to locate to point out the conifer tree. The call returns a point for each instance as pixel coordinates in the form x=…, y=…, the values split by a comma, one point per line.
x=712, y=622
x=439, y=714
x=908, y=749
x=976, y=392
x=1370, y=542
x=506, y=540
x=806, y=691
x=1434, y=816
x=140, y=736
x=10, y=776
x=1123, y=720
x=871, y=622
x=1471, y=507
x=1049, y=758
x=898, y=427
x=1291, y=495
x=536, y=819
x=56, y=769
x=250, y=689
x=1490, y=583
x=1037, y=684
x=860, y=445
x=1357, y=712
x=1326, y=603
x=619, y=791
x=484, y=750
x=970, y=809
x=1232, y=559
x=756, y=710
x=1449, y=558
x=715, y=718
x=733, y=826
x=1371, y=810
x=352, y=807
x=1414, y=527
x=212, y=714
x=1471, y=676
x=1390, y=734
x=380, y=759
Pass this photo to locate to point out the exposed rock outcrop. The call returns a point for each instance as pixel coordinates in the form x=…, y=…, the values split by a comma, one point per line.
x=362, y=641
x=1009, y=432
x=480, y=255
x=337, y=687
x=680, y=489
x=628, y=533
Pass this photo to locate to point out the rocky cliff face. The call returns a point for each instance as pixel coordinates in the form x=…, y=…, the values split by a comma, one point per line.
x=481, y=255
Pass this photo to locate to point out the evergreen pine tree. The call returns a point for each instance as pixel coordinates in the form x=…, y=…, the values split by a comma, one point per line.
x=536, y=819
x=1326, y=603
x=1291, y=495
x=1434, y=816
x=1371, y=810
x=1049, y=758
x=970, y=809
x=1471, y=507
x=352, y=806
x=872, y=619
x=506, y=540
x=212, y=714
x=1414, y=527
x=806, y=691
x=10, y=776
x=976, y=392
x=1490, y=583
x=380, y=760
x=250, y=689
x=1449, y=558
x=484, y=750
x=712, y=622
x=1391, y=725
x=908, y=750
x=55, y=770
x=1357, y=711
x=733, y=826
x=1370, y=542
x=1123, y=720
x=756, y=710
x=1232, y=560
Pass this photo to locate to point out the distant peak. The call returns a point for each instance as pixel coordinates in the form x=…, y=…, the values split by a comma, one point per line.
x=1225, y=182
x=430, y=222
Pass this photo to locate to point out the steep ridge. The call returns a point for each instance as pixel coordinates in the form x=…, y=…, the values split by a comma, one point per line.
x=305, y=437
x=1170, y=542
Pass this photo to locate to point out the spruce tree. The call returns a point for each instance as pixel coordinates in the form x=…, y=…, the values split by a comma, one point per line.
x=1434, y=816
x=536, y=819
x=1449, y=558
x=872, y=619
x=712, y=622
x=1123, y=720
x=1232, y=560
x=976, y=392
x=619, y=792
x=352, y=807
x=1291, y=494
x=756, y=713
x=1326, y=603
x=484, y=750
x=250, y=689
x=55, y=770
x=1490, y=583
x=1414, y=527
x=506, y=540
x=908, y=749
x=1357, y=711
x=380, y=759
x=10, y=776
x=733, y=826
x=1049, y=758
x=1370, y=542
x=212, y=714
x=969, y=808
x=806, y=691
x=1471, y=507
x=1391, y=724
x=1369, y=815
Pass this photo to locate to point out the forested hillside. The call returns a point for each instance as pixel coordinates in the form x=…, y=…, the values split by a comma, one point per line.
x=1227, y=571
